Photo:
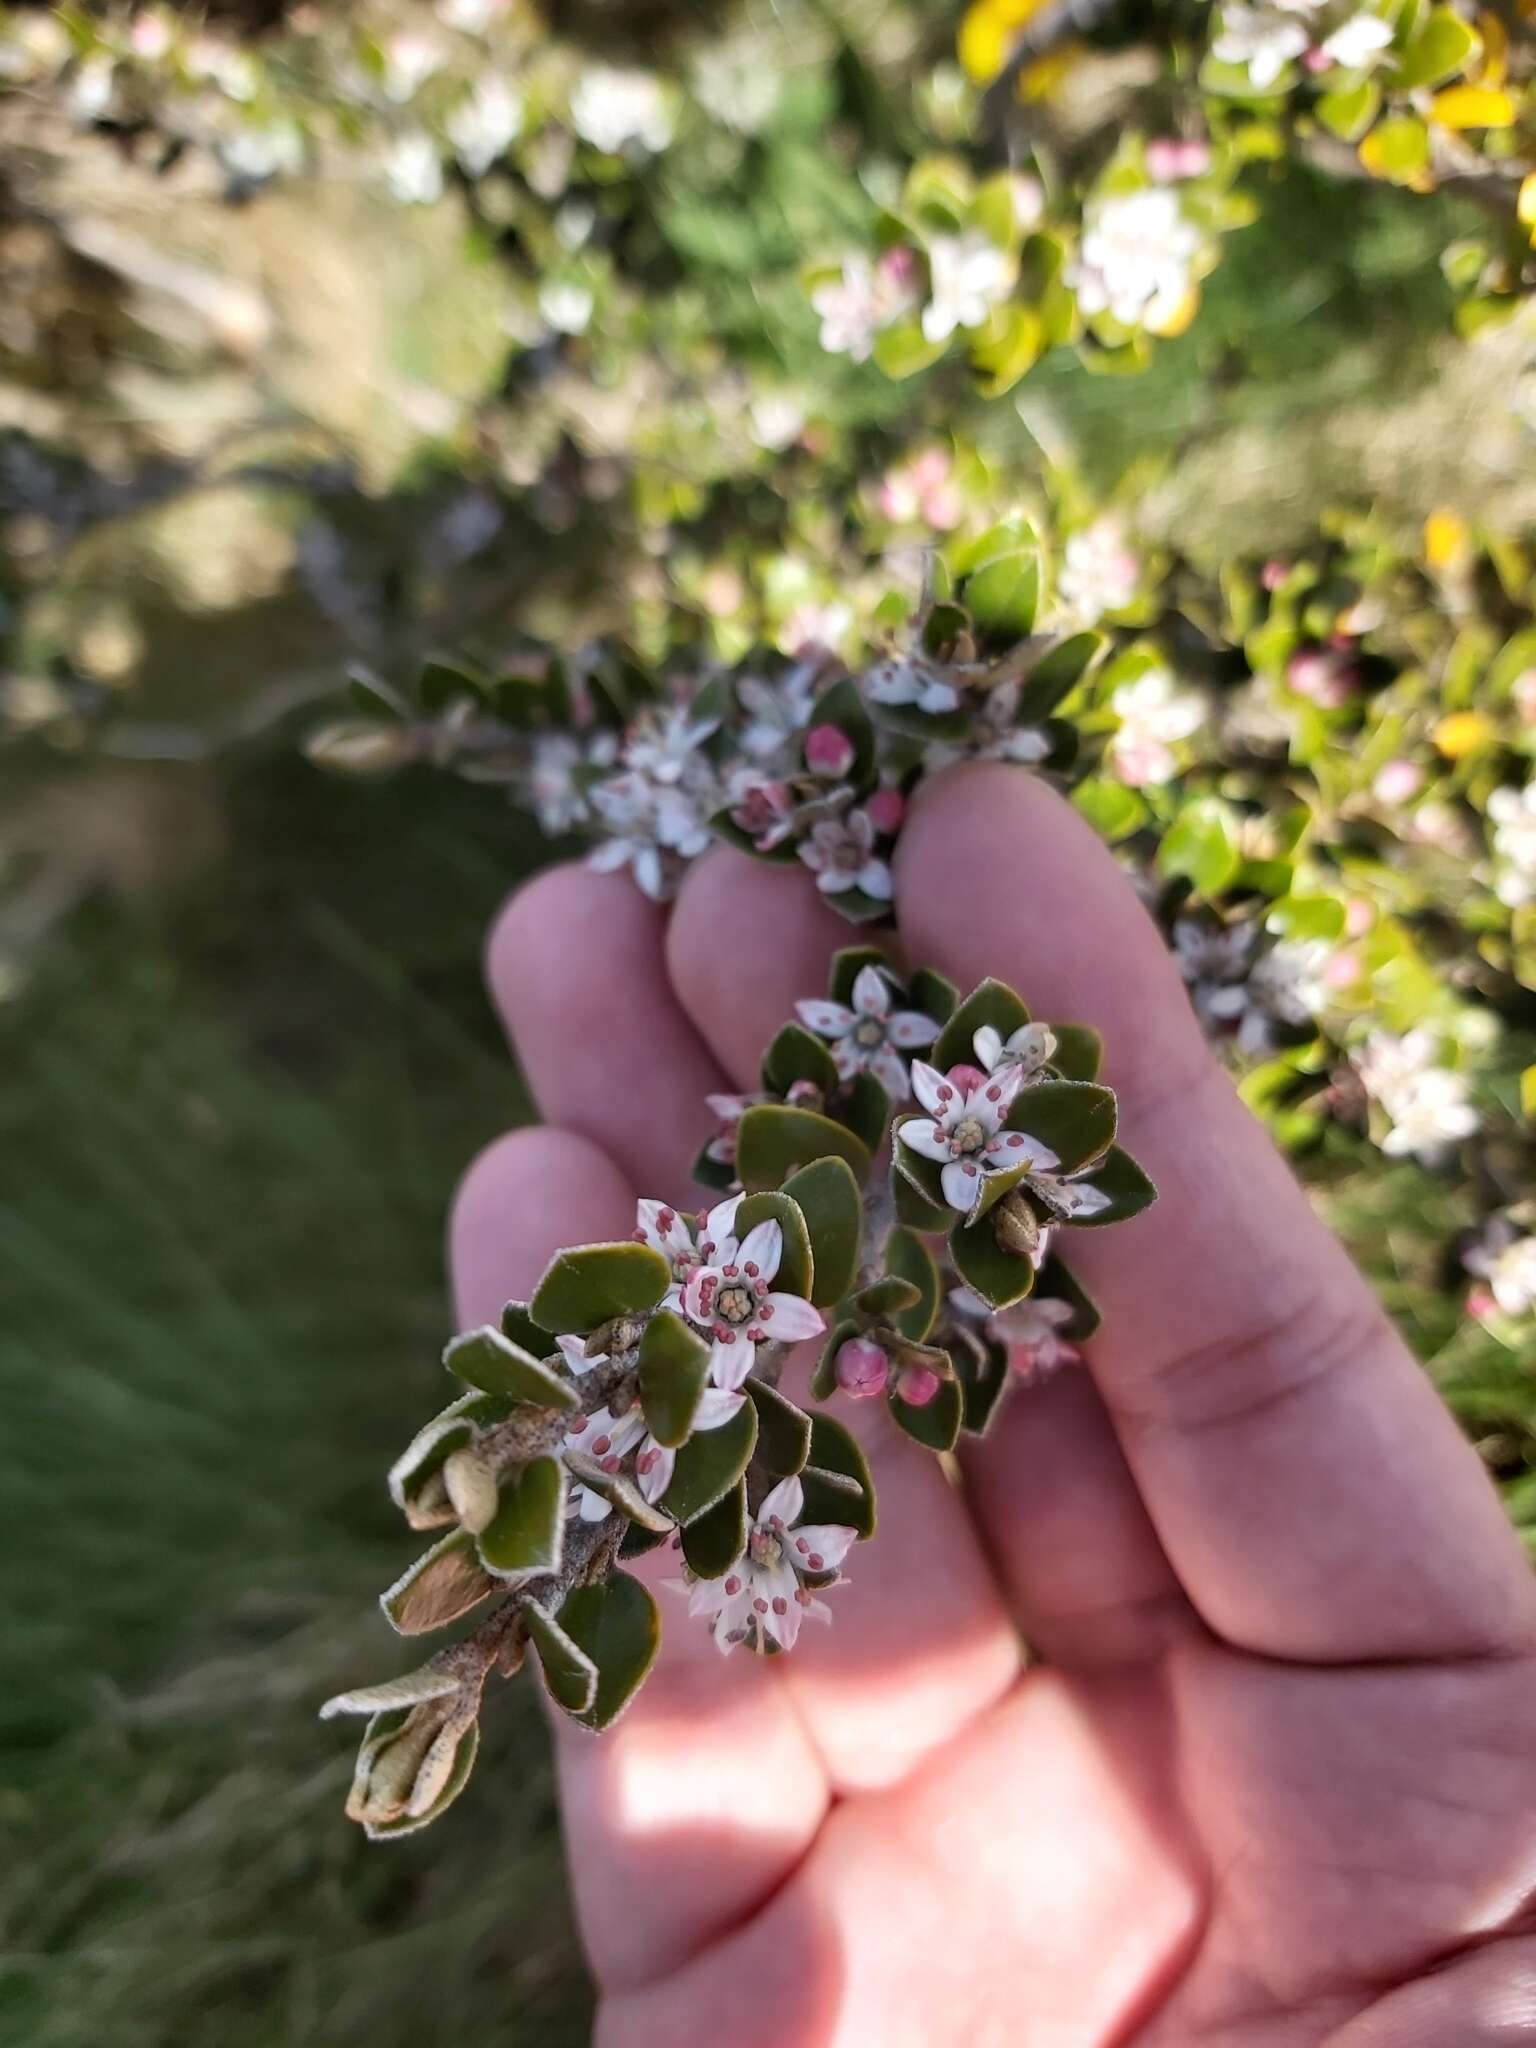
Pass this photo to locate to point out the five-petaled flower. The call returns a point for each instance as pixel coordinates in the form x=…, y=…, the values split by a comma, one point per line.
x=871, y=1036
x=1032, y=1331
x=1028, y=1048
x=732, y=1298
x=609, y=1439
x=666, y=1230
x=841, y=854
x=762, y=1599
x=965, y=1131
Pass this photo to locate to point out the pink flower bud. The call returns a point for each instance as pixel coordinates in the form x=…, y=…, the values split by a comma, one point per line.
x=886, y=809
x=862, y=1368
x=1481, y=1304
x=828, y=751
x=918, y=1386
x=1359, y=916
x=1398, y=781
x=1317, y=59
x=966, y=1078
x=1274, y=573
x=1342, y=969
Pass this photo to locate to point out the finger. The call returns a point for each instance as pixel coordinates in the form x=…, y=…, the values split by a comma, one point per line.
x=686, y=1815
x=1307, y=1485
x=1051, y=1465
x=921, y=1640
x=576, y=966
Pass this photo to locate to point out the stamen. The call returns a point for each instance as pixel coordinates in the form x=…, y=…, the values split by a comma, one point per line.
x=780, y=1605
x=603, y=1445
x=816, y=1561
x=760, y=1606
x=733, y=1585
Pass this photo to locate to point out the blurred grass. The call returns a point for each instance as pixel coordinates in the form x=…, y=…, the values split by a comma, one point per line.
x=231, y=1120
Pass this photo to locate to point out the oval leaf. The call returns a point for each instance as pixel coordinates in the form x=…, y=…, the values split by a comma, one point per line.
x=836, y=1481
x=997, y=1276
x=526, y=1537
x=936, y=1424
x=590, y=1284
x=991, y=1002
x=1076, y=1119
x=616, y=1627
x=496, y=1365
x=713, y=1543
x=674, y=1367
x=568, y=1671
x=828, y=1198
x=796, y=1272
x=440, y=1586
x=795, y=1054
x=783, y=1430
x=709, y=1464
x=908, y=1258
x=773, y=1140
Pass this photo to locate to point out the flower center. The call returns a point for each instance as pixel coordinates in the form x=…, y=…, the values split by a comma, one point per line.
x=869, y=1031
x=735, y=1302
x=969, y=1135
x=764, y=1548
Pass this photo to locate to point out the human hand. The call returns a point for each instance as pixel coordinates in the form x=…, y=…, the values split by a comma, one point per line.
x=1272, y=1783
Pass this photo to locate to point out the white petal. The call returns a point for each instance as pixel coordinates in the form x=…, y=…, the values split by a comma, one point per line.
x=607, y=855
x=720, y=1224
x=927, y=1082
x=779, y=1587
x=871, y=993
x=655, y=1480
x=874, y=879
x=763, y=1247
x=592, y=1505
x=793, y=1318
x=831, y=881
x=989, y=1046
x=785, y=1503
x=1032, y=1045
x=830, y=1541
x=716, y=1407
x=890, y=1070
x=574, y=1351
x=909, y=1028
x=1029, y=1152
x=827, y=1020
x=849, y=1057
x=925, y=1138
x=962, y=1180
x=729, y=1364
x=693, y=1294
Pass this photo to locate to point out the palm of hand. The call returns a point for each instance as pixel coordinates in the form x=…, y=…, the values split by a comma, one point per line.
x=1273, y=1784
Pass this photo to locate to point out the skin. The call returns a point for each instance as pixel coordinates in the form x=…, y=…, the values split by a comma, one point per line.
x=1266, y=1775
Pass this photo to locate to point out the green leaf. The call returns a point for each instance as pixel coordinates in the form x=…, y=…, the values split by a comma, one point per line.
x=836, y=1480
x=1439, y=50
x=902, y=349
x=773, y=1140
x=1057, y=1282
x=982, y=1381
x=619, y=1490
x=886, y=1296
x=491, y=1362
x=916, y=1209
x=1079, y=1051
x=526, y=1538
x=827, y=1197
x=1201, y=845
x=568, y=1671
x=908, y=1258
x=519, y=1328
x=616, y=1627
x=709, y=1464
x=440, y=1586
x=713, y=1543
x=848, y=965
x=936, y=1424
x=864, y=1108
x=1113, y=810
x=410, y=1477
x=991, y=1002
x=1076, y=1119
x=1397, y=149
x=783, y=1430
x=797, y=1270
x=1349, y=110
x=674, y=1370
x=443, y=683
x=1057, y=672
x=1130, y=1191
x=589, y=1285
x=1004, y=595
x=997, y=1276
x=933, y=995
x=795, y=1054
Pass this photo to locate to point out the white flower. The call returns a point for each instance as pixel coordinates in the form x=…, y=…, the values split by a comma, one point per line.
x=911, y=679
x=762, y=1598
x=736, y=88
x=845, y=305
x=553, y=788
x=1136, y=257
x=778, y=711
x=253, y=154
x=1099, y=573
x=666, y=1230
x=968, y=274
x=1028, y=1048
x=965, y=1132
x=409, y=61
x=733, y=1299
x=481, y=125
x=665, y=744
x=412, y=170
x=1153, y=712
x=1031, y=1330
x=1513, y=812
x=609, y=1439
x=656, y=828
x=840, y=854
x=1511, y=1274
x=994, y=734
x=1357, y=45
x=728, y=1111
x=473, y=17
x=1427, y=1104
x=566, y=305
x=1261, y=40
x=612, y=109
x=870, y=1037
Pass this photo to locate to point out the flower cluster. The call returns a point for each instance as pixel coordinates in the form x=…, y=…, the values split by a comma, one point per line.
x=634, y=1400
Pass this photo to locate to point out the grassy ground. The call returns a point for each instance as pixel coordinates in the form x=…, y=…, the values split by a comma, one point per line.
x=231, y=1123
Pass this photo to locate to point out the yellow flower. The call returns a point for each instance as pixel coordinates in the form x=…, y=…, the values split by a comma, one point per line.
x=1463, y=733
x=1525, y=206
x=1446, y=540
x=1472, y=106
x=987, y=35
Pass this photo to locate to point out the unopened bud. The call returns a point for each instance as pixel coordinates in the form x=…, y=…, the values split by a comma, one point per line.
x=886, y=809
x=471, y=1487
x=828, y=751
x=404, y=1768
x=1016, y=1226
x=862, y=1368
x=917, y=1385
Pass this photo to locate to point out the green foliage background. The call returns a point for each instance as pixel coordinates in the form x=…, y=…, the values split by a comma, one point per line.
x=244, y=1052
